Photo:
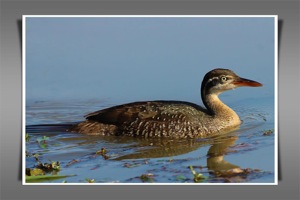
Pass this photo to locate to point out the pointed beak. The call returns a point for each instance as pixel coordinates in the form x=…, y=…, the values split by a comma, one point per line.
x=246, y=82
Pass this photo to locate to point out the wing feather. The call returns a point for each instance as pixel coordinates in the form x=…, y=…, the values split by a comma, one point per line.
x=149, y=110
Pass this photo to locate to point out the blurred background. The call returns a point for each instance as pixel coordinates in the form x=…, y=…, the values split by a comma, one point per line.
x=125, y=59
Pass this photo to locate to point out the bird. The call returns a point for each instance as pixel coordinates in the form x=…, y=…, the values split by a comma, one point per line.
x=171, y=119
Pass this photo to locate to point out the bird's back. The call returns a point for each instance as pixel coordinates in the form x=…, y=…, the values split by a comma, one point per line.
x=152, y=118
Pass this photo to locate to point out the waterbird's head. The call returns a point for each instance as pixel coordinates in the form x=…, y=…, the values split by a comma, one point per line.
x=219, y=80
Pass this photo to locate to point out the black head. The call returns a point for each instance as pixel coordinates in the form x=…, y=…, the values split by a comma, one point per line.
x=219, y=80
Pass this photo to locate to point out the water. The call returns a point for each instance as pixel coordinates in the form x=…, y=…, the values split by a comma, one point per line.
x=138, y=160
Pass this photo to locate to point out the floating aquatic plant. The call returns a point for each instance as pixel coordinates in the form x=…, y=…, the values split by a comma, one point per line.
x=43, y=141
x=197, y=176
x=46, y=177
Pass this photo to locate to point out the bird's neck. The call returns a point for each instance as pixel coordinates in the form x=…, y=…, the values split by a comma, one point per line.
x=216, y=107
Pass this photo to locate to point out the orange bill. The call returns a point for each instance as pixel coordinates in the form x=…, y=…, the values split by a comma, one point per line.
x=247, y=82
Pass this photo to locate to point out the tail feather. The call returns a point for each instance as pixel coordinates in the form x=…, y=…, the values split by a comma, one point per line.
x=49, y=128
x=94, y=128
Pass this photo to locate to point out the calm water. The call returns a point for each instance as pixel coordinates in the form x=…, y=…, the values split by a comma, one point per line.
x=164, y=161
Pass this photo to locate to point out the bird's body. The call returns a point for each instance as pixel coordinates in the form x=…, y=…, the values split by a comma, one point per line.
x=173, y=119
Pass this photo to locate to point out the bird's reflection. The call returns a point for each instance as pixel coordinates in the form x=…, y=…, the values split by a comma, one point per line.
x=158, y=148
x=217, y=152
x=144, y=148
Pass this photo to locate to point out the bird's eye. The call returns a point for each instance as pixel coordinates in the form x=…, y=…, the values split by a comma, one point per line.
x=224, y=78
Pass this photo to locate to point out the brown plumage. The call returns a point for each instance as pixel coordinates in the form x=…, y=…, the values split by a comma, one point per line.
x=175, y=119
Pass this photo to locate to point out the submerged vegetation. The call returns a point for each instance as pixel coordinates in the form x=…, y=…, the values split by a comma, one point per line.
x=197, y=176
x=44, y=171
x=268, y=132
x=103, y=153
